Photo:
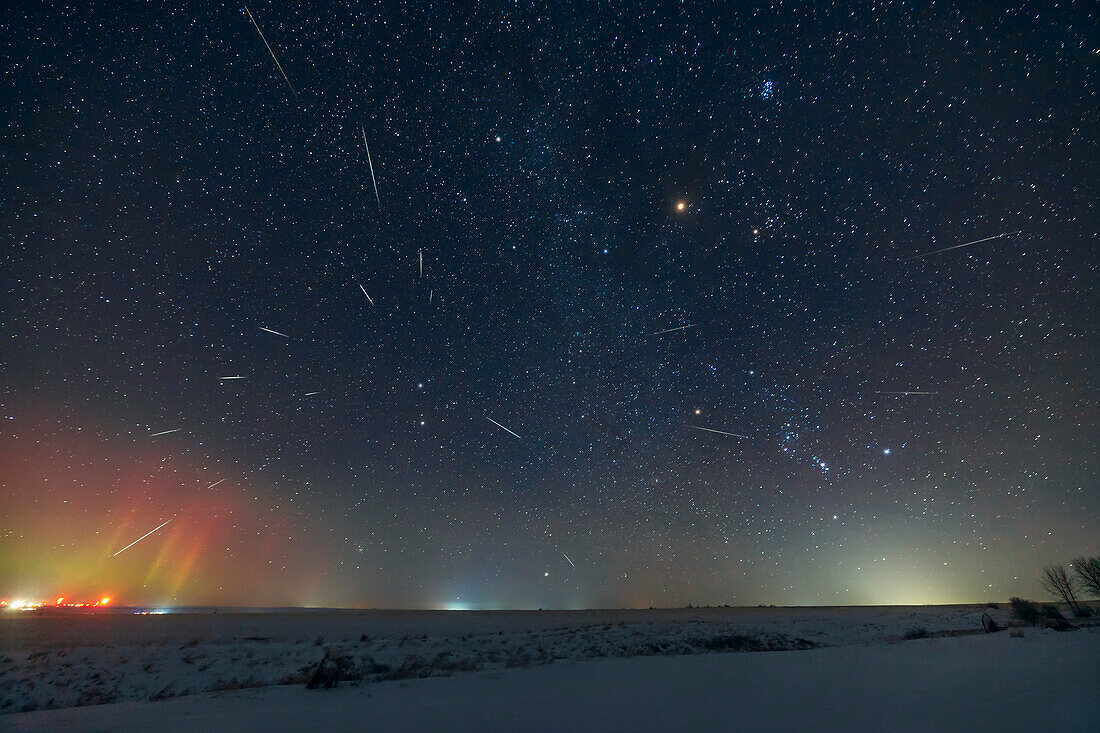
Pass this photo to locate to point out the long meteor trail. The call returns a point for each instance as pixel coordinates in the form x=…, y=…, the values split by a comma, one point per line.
x=903, y=393
x=964, y=244
x=277, y=333
x=365, y=293
x=670, y=330
x=570, y=561
x=139, y=539
x=720, y=432
x=269, y=50
x=371, y=164
x=165, y=432
x=494, y=422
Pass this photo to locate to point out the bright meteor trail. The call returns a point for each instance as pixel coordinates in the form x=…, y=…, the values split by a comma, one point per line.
x=720, y=432
x=903, y=393
x=494, y=422
x=371, y=164
x=139, y=539
x=269, y=49
x=964, y=244
x=670, y=330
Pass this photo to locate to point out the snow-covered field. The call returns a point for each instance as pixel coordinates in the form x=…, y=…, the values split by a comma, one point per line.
x=767, y=668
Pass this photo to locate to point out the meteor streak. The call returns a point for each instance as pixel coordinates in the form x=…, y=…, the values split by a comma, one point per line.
x=139, y=539
x=237, y=377
x=720, y=432
x=570, y=561
x=209, y=487
x=308, y=394
x=365, y=293
x=964, y=244
x=265, y=328
x=371, y=164
x=678, y=328
x=905, y=393
x=494, y=422
x=270, y=51
x=165, y=432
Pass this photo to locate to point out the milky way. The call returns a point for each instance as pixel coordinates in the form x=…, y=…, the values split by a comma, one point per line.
x=602, y=228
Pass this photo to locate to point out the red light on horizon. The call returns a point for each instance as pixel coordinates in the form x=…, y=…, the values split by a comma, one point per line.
x=28, y=605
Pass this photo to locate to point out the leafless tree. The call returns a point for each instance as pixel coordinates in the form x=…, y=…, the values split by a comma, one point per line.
x=1088, y=574
x=1058, y=583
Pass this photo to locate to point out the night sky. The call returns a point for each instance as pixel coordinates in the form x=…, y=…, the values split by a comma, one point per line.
x=555, y=186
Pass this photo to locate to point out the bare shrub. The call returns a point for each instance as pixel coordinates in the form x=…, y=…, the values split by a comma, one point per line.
x=1087, y=570
x=1058, y=583
x=1026, y=611
x=330, y=671
x=1052, y=618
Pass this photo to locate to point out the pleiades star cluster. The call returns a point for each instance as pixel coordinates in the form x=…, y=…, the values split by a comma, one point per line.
x=561, y=305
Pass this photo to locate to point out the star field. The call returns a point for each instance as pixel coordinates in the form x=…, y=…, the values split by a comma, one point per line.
x=601, y=234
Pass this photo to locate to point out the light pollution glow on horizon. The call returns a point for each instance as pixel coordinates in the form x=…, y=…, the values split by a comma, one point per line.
x=168, y=569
